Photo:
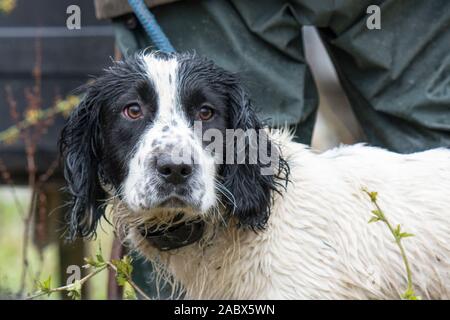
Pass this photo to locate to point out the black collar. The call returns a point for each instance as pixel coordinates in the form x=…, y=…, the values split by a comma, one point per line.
x=175, y=236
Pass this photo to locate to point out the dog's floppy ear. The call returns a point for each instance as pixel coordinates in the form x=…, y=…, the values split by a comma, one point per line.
x=251, y=189
x=80, y=147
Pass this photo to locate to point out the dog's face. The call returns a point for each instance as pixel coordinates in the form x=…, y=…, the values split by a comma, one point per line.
x=151, y=124
x=139, y=134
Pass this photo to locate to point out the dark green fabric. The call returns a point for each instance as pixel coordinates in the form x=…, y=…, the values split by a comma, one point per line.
x=398, y=78
x=145, y=277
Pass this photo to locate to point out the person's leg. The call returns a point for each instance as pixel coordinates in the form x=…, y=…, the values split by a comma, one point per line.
x=259, y=40
x=396, y=78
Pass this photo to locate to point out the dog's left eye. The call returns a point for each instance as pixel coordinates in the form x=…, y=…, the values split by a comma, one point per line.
x=206, y=112
x=132, y=111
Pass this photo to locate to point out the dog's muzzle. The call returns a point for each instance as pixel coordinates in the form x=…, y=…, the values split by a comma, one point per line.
x=175, y=236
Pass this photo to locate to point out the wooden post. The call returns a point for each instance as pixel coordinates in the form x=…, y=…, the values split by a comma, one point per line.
x=117, y=252
x=49, y=227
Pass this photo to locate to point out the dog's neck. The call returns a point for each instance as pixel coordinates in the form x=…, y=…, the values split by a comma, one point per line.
x=175, y=236
x=226, y=263
x=216, y=261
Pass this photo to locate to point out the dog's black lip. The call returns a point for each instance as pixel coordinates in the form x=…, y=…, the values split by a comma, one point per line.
x=174, y=236
x=173, y=202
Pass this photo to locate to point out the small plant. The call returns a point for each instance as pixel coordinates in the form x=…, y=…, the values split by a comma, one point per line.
x=123, y=269
x=30, y=126
x=34, y=118
x=378, y=215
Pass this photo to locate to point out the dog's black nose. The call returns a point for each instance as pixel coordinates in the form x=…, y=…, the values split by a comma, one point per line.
x=175, y=173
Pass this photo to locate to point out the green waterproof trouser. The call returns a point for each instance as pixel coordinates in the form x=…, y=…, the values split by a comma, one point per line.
x=397, y=78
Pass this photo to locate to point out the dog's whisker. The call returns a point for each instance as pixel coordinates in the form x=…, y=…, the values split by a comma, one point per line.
x=224, y=191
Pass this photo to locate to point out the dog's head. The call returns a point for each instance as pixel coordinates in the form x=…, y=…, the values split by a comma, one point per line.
x=168, y=134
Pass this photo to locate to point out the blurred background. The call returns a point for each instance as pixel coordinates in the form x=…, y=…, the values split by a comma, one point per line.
x=41, y=63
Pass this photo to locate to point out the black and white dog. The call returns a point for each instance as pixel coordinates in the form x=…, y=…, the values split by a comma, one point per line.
x=235, y=226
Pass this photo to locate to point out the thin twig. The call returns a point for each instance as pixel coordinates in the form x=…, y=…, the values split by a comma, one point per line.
x=131, y=283
x=83, y=280
x=69, y=286
x=30, y=127
x=34, y=100
x=380, y=216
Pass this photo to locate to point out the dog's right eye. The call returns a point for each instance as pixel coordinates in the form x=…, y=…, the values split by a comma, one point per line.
x=205, y=113
x=132, y=111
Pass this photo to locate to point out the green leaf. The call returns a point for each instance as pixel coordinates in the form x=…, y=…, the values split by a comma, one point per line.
x=99, y=254
x=98, y=261
x=121, y=280
x=397, y=232
x=47, y=283
x=45, y=286
x=410, y=295
x=130, y=294
x=124, y=270
x=100, y=258
x=379, y=214
x=75, y=291
x=92, y=262
x=372, y=195
x=374, y=219
x=406, y=235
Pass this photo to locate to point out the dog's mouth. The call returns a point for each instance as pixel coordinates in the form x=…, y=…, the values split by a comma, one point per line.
x=174, y=236
x=173, y=202
x=176, y=201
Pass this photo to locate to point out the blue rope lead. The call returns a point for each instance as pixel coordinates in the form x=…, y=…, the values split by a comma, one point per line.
x=151, y=27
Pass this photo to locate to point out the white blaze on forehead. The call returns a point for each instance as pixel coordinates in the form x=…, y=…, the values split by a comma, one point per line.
x=163, y=75
x=170, y=127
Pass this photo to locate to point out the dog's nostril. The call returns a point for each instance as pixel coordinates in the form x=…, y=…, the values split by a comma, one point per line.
x=172, y=172
x=165, y=170
x=185, y=170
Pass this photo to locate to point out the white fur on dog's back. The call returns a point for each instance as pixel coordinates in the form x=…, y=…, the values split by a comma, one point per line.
x=341, y=255
x=319, y=244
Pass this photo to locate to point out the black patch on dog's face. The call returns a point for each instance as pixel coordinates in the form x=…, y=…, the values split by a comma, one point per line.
x=96, y=140
x=202, y=83
x=124, y=134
